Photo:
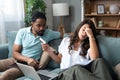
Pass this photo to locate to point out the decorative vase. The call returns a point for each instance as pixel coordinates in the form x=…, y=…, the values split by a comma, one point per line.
x=100, y=23
x=114, y=9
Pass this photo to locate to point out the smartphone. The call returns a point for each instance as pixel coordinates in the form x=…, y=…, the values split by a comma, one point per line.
x=42, y=41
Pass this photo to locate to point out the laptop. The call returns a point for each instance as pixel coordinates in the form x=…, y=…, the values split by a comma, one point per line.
x=30, y=72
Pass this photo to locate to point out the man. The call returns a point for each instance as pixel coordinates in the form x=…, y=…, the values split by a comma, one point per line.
x=27, y=47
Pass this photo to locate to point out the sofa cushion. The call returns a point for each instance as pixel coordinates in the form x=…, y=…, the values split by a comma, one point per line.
x=4, y=51
x=110, y=52
x=11, y=37
x=110, y=49
x=55, y=43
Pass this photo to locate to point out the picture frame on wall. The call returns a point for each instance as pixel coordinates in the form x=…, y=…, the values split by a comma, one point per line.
x=100, y=8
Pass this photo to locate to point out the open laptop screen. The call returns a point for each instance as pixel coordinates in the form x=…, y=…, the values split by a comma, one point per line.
x=36, y=75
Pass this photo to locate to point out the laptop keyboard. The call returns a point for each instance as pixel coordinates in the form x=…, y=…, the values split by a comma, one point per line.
x=43, y=77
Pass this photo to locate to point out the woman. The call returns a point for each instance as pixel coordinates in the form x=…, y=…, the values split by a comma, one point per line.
x=79, y=55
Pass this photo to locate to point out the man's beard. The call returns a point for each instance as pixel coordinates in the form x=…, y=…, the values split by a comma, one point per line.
x=41, y=33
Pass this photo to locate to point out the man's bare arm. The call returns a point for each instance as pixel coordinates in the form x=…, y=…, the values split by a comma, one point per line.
x=17, y=55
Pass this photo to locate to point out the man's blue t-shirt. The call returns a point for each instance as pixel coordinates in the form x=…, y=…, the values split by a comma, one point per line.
x=31, y=45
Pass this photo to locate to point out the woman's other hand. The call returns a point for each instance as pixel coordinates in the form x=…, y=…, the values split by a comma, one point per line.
x=45, y=47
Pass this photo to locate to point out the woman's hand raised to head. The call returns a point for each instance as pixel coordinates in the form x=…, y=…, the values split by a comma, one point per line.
x=89, y=33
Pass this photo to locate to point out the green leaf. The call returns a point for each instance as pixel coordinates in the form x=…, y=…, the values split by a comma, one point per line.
x=30, y=7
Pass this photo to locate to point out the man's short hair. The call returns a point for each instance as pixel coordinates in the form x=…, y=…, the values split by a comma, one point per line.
x=36, y=15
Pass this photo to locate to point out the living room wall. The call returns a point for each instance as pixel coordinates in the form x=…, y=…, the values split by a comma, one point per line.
x=70, y=21
x=49, y=13
x=73, y=19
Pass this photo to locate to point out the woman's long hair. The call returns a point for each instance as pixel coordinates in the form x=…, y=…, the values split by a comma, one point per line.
x=75, y=38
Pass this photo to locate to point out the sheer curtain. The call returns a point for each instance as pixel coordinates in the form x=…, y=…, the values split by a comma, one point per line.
x=11, y=17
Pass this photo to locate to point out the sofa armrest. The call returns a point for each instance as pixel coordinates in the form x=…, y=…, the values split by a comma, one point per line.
x=4, y=51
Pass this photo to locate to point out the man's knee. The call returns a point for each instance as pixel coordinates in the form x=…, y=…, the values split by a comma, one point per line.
x=5, y=63
x=11, y=74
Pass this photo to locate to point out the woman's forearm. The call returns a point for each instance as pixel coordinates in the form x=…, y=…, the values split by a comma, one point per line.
x=94, y=53
x=55, y=57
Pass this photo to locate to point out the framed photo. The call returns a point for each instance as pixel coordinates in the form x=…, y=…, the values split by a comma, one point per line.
x=100, y=8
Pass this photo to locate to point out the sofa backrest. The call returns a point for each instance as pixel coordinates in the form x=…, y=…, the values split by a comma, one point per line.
x=11, y=37
x=110, y=49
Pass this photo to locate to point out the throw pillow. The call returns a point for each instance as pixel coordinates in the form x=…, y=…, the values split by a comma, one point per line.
x=11, y=37
x=117, y=70
x=45, y=58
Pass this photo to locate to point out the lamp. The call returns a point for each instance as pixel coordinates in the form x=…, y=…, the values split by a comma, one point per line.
x=60, y=9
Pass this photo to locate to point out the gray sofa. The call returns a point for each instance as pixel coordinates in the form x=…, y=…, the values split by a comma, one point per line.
x=109, y=50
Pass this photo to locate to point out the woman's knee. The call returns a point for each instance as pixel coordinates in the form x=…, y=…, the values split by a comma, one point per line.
x=76, y=67
x=99, y=60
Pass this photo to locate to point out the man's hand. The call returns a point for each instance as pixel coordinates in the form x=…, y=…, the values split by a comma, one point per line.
x=33, y=62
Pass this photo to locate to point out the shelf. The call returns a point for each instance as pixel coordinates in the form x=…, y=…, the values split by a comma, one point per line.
x=100, y=15
x=110, y=22
x=105, y=28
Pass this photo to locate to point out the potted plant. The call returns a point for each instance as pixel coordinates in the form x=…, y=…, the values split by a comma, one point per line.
x=30, y=7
